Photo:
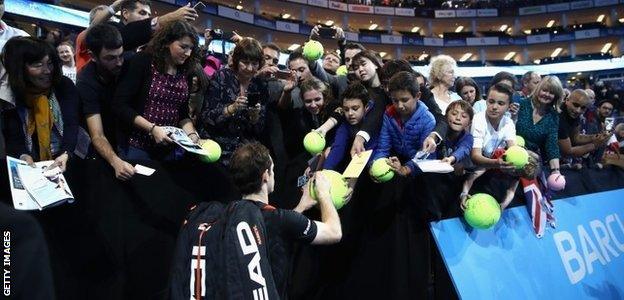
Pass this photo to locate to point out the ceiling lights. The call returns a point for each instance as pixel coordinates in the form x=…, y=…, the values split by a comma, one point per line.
x=459, y=28
x=294, y=47
x=556, y=52
x=606, y=48
x=373, y=26
x=510, y=55
x=465, y=57
x=550, y=23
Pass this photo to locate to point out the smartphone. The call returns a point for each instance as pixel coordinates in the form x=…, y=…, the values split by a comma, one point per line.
x=327, y=32
x=609, y=122
x=199, y=5
x=282, y=74
x=253, y=99
x=219, y=34
x=302, y=180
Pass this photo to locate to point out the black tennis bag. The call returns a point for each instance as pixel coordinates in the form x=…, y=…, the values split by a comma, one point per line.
x=221, y=253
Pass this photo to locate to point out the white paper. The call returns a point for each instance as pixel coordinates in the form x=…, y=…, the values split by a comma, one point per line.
x=434, y=166
x=143, y=170
x=179, y=137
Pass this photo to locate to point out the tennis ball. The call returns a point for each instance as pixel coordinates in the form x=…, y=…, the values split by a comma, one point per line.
x=520, y=141
x=342, y=71
x=312, y=50
x=517, y=156
x=213, y=149
x=314, y=142
x=380, y=170
x=556, y=182
x=338, y=188
x=482, y=211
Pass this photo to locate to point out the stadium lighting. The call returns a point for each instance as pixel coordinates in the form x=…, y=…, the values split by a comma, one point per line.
x=239, y=7
x=373, y=26
x=382, y=54
x=329, y=23
x=465, y=57
x=459, y=28
x=294, y=47
x=579, y=73
x=600, y=18
x=510, y=55
x=621, y=20
x=556, y=52
x=527, y=31
x=285, y=16
x=537, y=61
x=441, y=36
x=550, y=23
x=606, y=48
x=423, y=56
x=504, y=27
x=415, y=29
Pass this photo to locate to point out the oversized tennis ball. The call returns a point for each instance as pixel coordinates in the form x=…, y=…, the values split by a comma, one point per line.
x=380, y=170
x=517, y=156
x=482, y=211
x=213, y=149
x=520, y=141
x=314, y=142
x=313, y=50
x=556, y=182
x=338, y=188
x=342, y=71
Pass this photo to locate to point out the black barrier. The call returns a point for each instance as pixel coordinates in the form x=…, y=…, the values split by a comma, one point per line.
x=116, y=241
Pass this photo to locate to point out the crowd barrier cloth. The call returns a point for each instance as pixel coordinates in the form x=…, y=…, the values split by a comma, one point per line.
x=581, y=258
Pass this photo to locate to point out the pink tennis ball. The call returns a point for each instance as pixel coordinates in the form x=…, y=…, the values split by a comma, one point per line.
x=556, y=182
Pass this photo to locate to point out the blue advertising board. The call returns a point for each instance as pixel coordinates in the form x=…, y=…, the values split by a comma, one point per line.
x=582, y=258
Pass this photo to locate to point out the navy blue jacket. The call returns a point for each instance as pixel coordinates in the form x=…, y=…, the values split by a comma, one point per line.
x=404, y=141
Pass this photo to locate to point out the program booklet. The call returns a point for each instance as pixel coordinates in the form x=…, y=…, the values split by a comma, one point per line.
x=37, y=187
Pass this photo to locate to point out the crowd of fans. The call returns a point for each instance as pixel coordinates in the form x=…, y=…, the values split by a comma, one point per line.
x=451, y=4
x=123, y=82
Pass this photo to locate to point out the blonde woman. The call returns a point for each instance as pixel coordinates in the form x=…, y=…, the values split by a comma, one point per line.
x=538, y=120
x=442, y=77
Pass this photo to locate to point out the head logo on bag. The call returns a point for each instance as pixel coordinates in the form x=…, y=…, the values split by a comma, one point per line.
x=248, y=245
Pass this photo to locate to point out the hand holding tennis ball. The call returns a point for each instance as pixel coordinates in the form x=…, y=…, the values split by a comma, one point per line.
x=380, y=170
x=313, y=50
x=314, y=142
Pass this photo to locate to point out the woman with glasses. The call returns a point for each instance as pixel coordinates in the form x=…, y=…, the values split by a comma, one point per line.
x=235, y=102
x=43, y=123
x=155, y=92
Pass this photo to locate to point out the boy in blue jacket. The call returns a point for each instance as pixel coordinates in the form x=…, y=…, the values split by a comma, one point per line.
x=406, y=124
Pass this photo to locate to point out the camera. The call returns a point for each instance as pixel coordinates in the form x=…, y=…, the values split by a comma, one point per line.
x=219, y=34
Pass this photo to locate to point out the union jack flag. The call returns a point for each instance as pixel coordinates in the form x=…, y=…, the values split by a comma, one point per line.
x=538, y=199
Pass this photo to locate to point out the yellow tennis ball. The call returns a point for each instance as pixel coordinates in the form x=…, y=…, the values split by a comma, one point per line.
x=342, y=71
x=314, y=142
x=338, y=188
x=313, y=50
x=380, y=170
x=213, y=149
x=520, y=141
x=482, y=211
x=517, y=156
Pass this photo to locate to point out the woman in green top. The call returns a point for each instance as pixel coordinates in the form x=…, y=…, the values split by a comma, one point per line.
x=538, y=120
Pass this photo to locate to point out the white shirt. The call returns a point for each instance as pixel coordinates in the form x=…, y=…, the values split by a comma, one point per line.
x=443, y=105
x=7, y=32
x=489, y=138
x=70, y=72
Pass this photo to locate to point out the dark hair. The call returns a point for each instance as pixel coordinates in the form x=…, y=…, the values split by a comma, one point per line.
x=158, y=47
x=351, y=46
x=463, y=104
x=272, y=46
x=504, y=89
x=404, y=81
x=461, y=82
x=247, y=49
x=373, y=57
x=20, y=51
x=394, y=66
x=356, y=91
x=103, y=36
x=247, y=165
x=296, y=55
x=500, y=76
x=132, y=4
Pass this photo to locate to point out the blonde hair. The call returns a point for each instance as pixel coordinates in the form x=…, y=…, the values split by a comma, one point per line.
x=437, y=65
x=552, y=85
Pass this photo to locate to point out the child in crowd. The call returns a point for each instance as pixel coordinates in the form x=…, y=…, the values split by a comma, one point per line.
x=458, y=142
x=493, y=131
x=356, y=103
x=406, y=124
